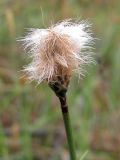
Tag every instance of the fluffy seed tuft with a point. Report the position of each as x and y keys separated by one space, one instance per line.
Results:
x=60 y=50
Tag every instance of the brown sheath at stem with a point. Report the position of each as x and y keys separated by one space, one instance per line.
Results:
x=60 y=89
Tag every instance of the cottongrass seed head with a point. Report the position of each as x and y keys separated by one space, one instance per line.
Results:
x=59 y=50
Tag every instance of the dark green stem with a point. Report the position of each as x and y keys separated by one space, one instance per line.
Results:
x=68 y=129
x=60 y=88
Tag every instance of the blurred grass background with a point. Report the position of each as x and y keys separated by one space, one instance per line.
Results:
x=31 y=126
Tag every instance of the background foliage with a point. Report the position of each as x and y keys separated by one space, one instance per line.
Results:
x=31 y=124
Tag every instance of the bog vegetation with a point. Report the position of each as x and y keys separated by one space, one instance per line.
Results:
x=31 y=127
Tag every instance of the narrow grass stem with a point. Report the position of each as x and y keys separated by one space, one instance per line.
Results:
x=60 y=89
x=67 y=123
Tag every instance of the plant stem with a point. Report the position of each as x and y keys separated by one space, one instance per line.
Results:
x=68 y=129
x=60 y=89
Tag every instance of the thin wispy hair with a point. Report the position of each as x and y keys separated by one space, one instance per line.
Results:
x=63 y=48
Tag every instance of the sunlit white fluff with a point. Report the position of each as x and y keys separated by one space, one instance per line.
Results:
x=60 y=49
